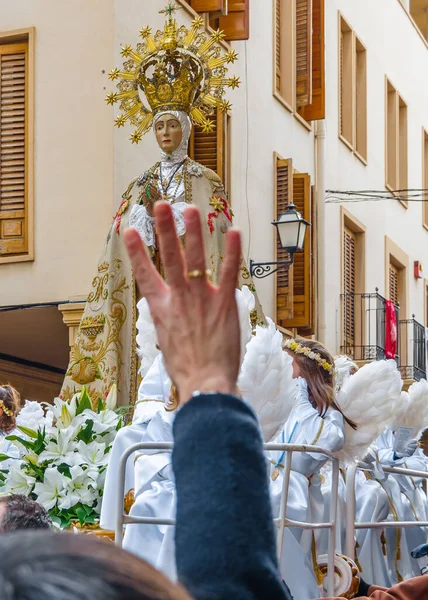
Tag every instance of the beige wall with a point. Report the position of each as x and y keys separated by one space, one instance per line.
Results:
x=73 y=146
x=83 y=165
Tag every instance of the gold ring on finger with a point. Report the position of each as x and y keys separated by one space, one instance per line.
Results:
x=198 y=274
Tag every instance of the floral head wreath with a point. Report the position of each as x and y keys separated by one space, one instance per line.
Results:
x=300 y=349
x=5 y=409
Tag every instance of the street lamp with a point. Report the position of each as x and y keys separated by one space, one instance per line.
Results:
x=291 y=228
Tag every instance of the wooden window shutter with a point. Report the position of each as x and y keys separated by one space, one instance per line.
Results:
x=303 y=52
x=284 y=280
x=393 y=284
x=349 y=245
x=203 y=6
x=302 y=267
x=13 y=193
x=315 y=110
x=209 y=148
x=236 y=25
x=278 y=44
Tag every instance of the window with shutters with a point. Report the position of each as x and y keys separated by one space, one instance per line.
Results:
x=353 y=280
x=295 y=287
x=15 y=153
x=352 y=91
x=393 y=284
x=425 y=178
x=299 y=56
x=396 y=270
x=212 y=149
x=349 y=243
x=396 y=179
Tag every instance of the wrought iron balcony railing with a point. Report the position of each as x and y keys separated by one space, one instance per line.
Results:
x=364 y=326
x=412 y=349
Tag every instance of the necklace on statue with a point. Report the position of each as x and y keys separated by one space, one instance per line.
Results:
x=166 y=185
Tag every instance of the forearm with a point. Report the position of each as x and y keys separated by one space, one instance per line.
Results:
x=407 y=590
x=225 y=543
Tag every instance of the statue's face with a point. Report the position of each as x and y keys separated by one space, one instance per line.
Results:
x=168 y=133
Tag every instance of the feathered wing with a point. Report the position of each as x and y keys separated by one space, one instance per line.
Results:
x=266 y=379
x=371 y=398
x=146 y=337
x=415 y=412
x=344 y=367
x=246 y=302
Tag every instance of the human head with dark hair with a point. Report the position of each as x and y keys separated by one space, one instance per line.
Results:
x=59 y=566
x=10 y=404
x=20 y=512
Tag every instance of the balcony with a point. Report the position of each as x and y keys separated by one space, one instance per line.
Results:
x=412 y=349
x=363 y=326
x=363 y=335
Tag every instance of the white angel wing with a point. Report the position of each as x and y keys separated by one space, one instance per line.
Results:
x=246 y=304
x=266 y=379
x=371 y=398
x=146 y=337
x=415 y=413
x=344 y=367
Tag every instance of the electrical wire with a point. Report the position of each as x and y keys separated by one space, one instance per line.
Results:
x=403 y=195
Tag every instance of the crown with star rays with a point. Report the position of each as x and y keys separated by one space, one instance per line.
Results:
x=178 y=68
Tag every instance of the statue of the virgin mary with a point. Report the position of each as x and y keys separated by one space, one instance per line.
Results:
x=182 y=73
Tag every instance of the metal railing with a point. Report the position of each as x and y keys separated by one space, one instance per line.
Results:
x=280 y=523
x=364 y=326
x=412 y=349
x=350 y=512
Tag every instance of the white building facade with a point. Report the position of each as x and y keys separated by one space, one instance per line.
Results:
x=332 y=98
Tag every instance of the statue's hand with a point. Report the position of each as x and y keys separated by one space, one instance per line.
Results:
x=151 y=196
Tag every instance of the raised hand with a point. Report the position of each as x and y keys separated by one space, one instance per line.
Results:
x=196 y=322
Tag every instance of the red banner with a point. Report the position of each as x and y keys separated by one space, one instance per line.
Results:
x=390 y=330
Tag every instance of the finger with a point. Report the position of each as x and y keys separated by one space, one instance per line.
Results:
x=148 y=279
x=232 y=262
x=195 y=251
x=169 y=244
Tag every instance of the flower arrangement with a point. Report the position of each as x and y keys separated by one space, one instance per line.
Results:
x=299 y=349
x=62 y=456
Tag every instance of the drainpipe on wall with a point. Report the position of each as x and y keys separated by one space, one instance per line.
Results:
x=321 y=229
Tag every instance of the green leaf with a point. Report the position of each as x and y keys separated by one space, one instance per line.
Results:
x=64 y=469
x=26 y=443
x=27 y=431
x=85 y=434
x=81 y=514
x=100 y=406
x=4 y=457
x=39 y=445
x=84 y=402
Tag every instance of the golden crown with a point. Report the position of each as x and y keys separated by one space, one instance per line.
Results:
x=177 y=69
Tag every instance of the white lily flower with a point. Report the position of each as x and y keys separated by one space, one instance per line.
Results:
x=82 y=487
x=93 y=454
x=111 y=400
x=18 y=482
x=106 y=420
x=53 y=490
x=64 y=412
x=57 y=449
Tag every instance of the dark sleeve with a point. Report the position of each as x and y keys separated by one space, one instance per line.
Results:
x=225 y=542
x=412 y=589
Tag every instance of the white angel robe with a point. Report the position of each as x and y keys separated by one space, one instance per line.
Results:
x=412 y=505
x=372 y=505
x=305 y=501
x=154 y=391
